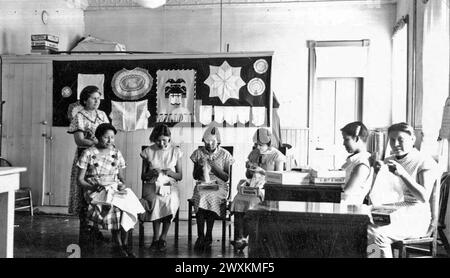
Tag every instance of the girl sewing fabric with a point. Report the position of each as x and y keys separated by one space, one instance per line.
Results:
x=211 y=163
x=262 y=158
x=160 y=175
x=112 y=206
x=83 y=126
x=417 y=173
x=358 y=172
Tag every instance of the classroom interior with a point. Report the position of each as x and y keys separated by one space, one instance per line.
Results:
x=302 y=69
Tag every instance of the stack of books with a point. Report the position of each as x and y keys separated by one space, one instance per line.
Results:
x=44 y=43
x=386 y=214
x=326 y=177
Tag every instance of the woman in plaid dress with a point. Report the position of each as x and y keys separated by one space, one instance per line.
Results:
x=82 y=126
x=101 y=171
x=207 y=203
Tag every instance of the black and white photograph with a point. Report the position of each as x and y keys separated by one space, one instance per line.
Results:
x=224 y=135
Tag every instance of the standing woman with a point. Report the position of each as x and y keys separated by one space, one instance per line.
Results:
x=160 y=175
x=417 y=172
x=83 y=126
x=207 y=203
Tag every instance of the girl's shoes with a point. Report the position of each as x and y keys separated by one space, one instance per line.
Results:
x=154 y=245
x=162 y=245
x=239 y=244
x=199 y=243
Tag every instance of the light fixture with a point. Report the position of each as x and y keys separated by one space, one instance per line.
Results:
x=152 y=4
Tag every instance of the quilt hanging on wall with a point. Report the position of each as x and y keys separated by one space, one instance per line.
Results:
x=136 y=94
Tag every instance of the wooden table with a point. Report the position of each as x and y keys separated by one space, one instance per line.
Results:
x=9 y=183
x=285 y=229
x=304 y=193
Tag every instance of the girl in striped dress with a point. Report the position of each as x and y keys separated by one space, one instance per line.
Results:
x=208 y=203
x=418 y=173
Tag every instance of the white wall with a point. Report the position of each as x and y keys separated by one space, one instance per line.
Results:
x=21 y=18
x=280 y=27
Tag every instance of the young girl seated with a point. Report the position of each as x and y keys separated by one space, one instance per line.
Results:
x=262 y=158
x=112 y=205
x=357 y=168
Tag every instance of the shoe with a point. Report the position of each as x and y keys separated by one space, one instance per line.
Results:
x=198 y=246
x=129 y=252
x=119 y=252
x=207 y=244
x=154 y=245
x=162 y=245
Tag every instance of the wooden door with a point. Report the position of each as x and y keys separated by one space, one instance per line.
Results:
x=25 y=121
x=337 y=101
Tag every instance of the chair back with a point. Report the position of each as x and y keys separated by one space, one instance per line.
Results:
x=435 y=201
x=443 y=199
x=4 y=162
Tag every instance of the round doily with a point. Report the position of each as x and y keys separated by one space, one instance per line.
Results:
x=256 y=86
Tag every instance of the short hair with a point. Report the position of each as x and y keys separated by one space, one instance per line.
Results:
x=403 y=127
x=356 y=129
x=159 y=130
x=87 y=92
x=103 y=128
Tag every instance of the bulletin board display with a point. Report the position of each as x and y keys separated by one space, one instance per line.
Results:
x=136 y=94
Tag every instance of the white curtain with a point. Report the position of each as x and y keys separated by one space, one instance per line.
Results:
x=435 y=74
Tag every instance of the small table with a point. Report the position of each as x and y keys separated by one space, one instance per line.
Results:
x=285 y=229
x=304 y=193
x=9 y=183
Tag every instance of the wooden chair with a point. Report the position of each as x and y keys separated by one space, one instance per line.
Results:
x=142 y=221
x=442 y=239
x=426 y=245
x=226 y=207
x=23 y=196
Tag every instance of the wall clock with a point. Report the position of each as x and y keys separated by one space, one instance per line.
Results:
x=44 y=16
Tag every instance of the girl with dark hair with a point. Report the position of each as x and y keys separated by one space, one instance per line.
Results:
x=112 y=206
x=83 y=126
x=417 y=172
x=160 y=175
x=262 y=158
x=358 y=171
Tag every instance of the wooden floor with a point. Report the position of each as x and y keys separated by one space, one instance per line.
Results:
x=48 y=236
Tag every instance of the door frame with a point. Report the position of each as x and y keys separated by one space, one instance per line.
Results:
x=312 y=78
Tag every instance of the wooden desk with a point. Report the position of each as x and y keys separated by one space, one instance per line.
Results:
x=283 y=229
x=9 y=183
x=303 y=193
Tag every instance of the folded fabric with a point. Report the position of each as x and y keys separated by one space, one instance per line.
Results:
x=258 y=115
x=219 y=114
x=129 y=116
x=85 y=80
x=205 y=114
x=243 y=114
x=230 y=115
x=387 y=188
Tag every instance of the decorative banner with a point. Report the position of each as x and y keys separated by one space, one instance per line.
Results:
x=258 y=115
x=205 y=114
x=261 y=66
x=85 y=80
x=256 y=86
x=224 y=82
x=175 y=91
x=129 y=116
x=131 y=84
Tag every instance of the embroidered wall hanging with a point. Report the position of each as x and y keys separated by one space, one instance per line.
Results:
x=85 y=80
x=224 y=82
x=131 y=84
x=175 y=95
x=129 y=116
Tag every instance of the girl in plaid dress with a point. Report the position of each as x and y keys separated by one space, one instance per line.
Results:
x=207 y=203
x=101 y=174
x=160 y=175
x=262 y=158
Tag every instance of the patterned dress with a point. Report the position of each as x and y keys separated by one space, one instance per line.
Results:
x=267 y=161
x=158 y=206
x=82 y=121
x=208 y=199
